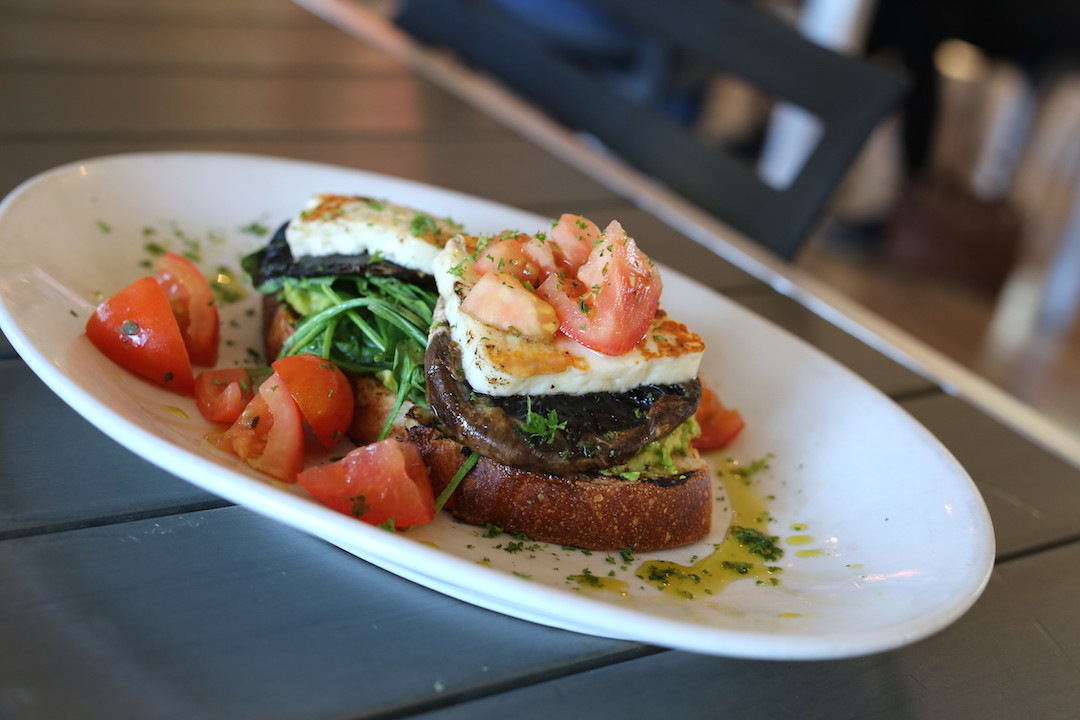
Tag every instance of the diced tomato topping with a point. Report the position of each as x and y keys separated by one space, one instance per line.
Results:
x=575 y=236
x=136 y=329
x=383 y=481
x=719 y=425
x=611 y=306
x=547 y=257
x=222 y=395
x=322 y=392
x=269 y=434
x=508 y=256
x=563 y=293
x=603 y=291
x=500 y=300
x=194 y=305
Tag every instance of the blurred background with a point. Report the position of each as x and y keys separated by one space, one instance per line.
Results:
x=960 y=222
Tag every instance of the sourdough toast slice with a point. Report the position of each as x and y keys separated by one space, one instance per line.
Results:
x=586 y=510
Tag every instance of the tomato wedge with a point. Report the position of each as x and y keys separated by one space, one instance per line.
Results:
x=269 y=434
x=322 y=392
x=612 y=303
x=222 y=395
x=137 y=330
x=499 y=299
x=508 y=256
x=383 y=481
x=575 y=235
x=719 y=425
x=194 y=305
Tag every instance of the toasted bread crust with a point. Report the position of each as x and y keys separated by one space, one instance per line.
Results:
x=589 y=511
x=279 y=322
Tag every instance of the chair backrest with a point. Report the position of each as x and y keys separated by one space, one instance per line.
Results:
x=849 y=97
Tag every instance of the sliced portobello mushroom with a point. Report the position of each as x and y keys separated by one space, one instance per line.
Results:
x=276 y=260
x=557 y=433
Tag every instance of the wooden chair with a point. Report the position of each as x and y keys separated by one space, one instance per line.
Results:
x=849 y=97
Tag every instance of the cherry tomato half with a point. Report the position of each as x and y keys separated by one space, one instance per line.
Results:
x=499 y=299
x=194 y=305
x=378 y=482
x=269 y=434
x=576 y=236
x=222 y=394
x=719 y=425
x=322 y=392
x=137 y=330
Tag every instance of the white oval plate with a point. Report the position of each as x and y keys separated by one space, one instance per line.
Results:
x=902 y=541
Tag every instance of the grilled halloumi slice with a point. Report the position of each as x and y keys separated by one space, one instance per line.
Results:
x=502 y=363
x=350 y=225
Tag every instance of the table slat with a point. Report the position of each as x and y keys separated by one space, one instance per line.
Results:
x=244 y=12
x=1032 y=495
x=105 y=44
x=441 y=161
x=120 y=104
x=59 y=471
x=224 y=614
x=1015 y=654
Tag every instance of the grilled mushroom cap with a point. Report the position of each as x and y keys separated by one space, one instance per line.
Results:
x=587 y=432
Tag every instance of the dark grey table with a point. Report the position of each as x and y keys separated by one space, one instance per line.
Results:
x=127 y=593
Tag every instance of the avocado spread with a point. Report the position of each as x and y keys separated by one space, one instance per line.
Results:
x=669 y=455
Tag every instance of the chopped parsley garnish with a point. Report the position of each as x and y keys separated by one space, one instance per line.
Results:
x=586 y=578
x=481 y=243
x=457 y=269
x=757 y=542
x=540 y=427
x=752 y=469
x=422 y=224
x=358 y=505
x=155 y=249
x=192 y=248
x=740 y=567
x=254 y=228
